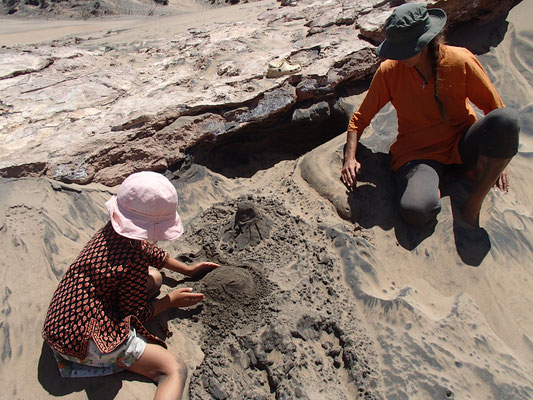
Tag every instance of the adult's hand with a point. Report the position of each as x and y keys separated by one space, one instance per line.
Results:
x=349 y=172
x=502 y=183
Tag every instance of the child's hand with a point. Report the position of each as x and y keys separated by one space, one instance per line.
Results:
x=189 y=270
x=184 y=297
x=202 y=267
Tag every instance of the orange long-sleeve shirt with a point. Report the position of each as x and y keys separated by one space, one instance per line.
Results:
x=422 y=132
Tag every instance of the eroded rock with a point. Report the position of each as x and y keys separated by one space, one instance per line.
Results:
x=80 y=111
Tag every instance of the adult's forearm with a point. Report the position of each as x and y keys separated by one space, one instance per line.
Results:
x=351 y=145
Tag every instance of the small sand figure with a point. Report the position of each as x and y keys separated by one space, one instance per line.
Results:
x=430 y=84
x=249 y=227
x=95 y=322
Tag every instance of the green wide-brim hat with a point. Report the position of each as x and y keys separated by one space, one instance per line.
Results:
x=409 y=29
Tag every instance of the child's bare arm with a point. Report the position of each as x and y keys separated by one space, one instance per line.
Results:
x=189 y=270
x=182 y=297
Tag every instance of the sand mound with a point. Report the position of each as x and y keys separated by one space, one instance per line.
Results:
x=230 y=284
x=269 y=312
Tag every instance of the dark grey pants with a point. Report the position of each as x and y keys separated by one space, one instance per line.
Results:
x=417 y=182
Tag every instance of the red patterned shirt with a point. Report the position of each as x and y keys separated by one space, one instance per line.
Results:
x=102 y=294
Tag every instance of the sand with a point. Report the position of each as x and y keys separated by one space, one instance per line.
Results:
x=125 y=29
x=321 y=294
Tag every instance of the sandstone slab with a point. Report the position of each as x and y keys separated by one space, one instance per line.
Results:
x=98 y=108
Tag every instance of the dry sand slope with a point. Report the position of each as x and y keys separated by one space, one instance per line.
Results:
x=307 y=304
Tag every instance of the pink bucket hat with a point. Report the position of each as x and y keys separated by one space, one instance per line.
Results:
x=145 y=207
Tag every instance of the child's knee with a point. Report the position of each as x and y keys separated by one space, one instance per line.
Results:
x=172 y=367
x=154 y=282
x=157 y=277
x=177 y=367
x=181 y=368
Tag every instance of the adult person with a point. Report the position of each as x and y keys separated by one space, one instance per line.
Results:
x=430 y=85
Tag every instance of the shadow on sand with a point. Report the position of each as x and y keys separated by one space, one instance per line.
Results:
x=98 y=388
x=373 y=204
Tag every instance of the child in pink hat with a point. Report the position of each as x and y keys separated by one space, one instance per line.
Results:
x=95 y=322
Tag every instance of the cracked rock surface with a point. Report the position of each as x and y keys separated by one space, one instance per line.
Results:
x=97 y=107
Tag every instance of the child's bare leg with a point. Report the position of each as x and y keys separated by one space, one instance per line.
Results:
x=488 y=171
x=165 y=369
x=153 y=283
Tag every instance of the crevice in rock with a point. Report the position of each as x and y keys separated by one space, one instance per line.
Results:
x=47 y=63
x=252 y=149
x=304 y=127
x=47 y=86
x=236 y=113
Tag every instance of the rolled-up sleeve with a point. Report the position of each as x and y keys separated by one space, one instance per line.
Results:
x=479 y=88
x=377 y=96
